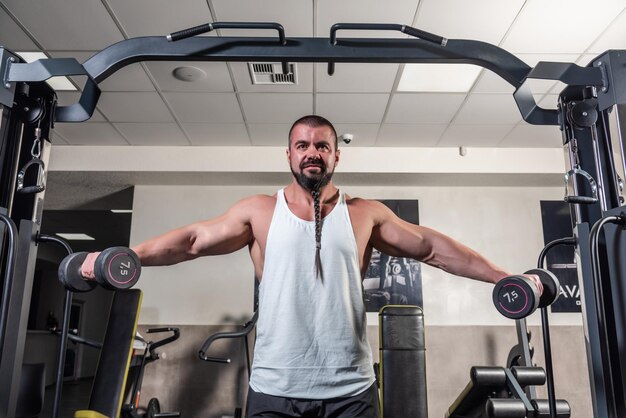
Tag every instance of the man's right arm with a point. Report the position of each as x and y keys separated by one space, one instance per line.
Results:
x=222 y=235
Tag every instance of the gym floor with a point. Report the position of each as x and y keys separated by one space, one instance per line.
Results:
x=75 y=396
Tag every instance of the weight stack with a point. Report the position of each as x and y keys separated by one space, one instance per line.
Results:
x=402 y=362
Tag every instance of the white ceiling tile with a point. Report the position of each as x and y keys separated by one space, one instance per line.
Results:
x=560 y=26
x=159 y=17
x=488 y=109
x=533 y=136
x=12 y=36
x=352 y=107
x=613 y=38
x=216 y=78
x=330 y=12
x=155 y=134
x=474 y=135
x=423 y=108
x=97 y=133
x=222 y=134
x=586 y=59
x=364 y=134
x=129 y=78
x=66 y=98
x=78 y=24
x=461 y=19
x=351 y=77
x=295 y=16
x=134 y=107
x=490 y=82
x=270 y=134
x=409 y=135
x=549 y=101
x=304 y=75
x=275 y=107
x=205 y=107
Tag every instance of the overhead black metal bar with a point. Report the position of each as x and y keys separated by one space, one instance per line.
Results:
x=356 y=50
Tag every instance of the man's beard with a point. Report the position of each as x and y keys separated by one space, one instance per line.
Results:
x=317 y=181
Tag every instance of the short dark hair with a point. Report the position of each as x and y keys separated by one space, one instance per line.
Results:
x=313 y=121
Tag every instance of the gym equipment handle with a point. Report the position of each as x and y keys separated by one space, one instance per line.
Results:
x=598 y=291
x=65 y=328
x=175 y=335
x=585 y=200
x=8 y=275
x=247 y=328
x=417 y=33
x=545 y=325
x=208 y=27
x=41 y=172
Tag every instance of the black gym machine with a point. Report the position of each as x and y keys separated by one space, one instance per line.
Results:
x=590 y=115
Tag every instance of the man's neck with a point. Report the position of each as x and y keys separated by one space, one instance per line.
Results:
x=296 y=192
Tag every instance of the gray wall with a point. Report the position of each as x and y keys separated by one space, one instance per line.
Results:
x=186 y=384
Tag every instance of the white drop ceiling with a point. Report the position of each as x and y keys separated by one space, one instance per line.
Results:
x=143 y=104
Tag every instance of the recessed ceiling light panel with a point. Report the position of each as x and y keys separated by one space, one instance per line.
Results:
x=453 y=78
x=75 y=237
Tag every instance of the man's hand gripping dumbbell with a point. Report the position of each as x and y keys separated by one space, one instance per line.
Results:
x=517 y=297
x=114 y=268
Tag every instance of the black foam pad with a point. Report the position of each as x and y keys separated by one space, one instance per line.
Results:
x=108 y=386
x=402 y=362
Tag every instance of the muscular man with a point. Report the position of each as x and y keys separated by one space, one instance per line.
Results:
x=310 y=245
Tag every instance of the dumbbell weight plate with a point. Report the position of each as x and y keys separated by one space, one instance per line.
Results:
x=117 y=268
x=515 y=297
x=551 y=286
x=69 y=273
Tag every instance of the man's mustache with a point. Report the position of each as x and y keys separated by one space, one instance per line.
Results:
x=313 y=163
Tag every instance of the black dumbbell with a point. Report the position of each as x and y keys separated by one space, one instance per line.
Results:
x=517 y=297
x=115 y=268
x=69 y=274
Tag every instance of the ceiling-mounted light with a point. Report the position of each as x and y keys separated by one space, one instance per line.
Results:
x=438 y=78
x=75 y=237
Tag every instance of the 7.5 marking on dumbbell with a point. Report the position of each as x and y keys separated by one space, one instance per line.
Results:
x=511 y=296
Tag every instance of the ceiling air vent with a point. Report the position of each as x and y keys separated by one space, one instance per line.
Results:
x=271 y=73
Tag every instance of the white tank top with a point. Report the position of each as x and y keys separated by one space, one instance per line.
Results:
x=311 y=334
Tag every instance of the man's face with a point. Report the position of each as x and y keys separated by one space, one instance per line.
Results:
x=312 y=155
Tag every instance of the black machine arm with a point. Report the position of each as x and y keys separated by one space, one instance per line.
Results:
x=247 y=328
x=73 y=336
x=156 y=344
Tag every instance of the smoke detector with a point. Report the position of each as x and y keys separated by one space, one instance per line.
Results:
x=188 y=73
x=271 y=73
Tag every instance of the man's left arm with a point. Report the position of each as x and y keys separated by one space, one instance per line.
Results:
x=399 y=238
